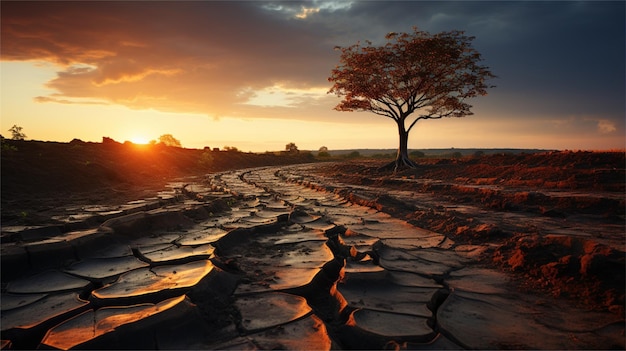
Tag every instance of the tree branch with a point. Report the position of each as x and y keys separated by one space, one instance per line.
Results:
x=390 y=110
x=431 y=116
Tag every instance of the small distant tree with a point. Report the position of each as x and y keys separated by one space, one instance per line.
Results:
x=291 y=148
x=16 y=133
x=414 y=76
x=169 y=140
x=323 y=152
x=231 y=148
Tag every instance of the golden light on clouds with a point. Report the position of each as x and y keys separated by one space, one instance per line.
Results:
x=606 y=126
x=279 y=95
x=133 y=76
x=306 y=11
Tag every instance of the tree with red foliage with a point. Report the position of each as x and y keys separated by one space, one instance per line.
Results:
x=420 y=74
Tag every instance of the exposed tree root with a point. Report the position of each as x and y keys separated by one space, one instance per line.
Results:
x=400 y=163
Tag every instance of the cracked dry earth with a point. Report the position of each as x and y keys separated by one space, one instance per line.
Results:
x=266 y=258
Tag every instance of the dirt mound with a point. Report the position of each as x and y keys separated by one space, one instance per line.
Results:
x=509 y=182
x=584 y=270
x=554 y=170
x=572 y=190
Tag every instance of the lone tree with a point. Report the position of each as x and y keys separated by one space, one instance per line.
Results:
x=323 y=152
x=169 y=140
x=417 y=75
x=291 y=148
x=16 y=133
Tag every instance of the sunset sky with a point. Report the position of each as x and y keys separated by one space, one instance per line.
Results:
x=253 y=74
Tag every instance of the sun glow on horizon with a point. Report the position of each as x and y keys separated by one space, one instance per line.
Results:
x=492 y=127
x=139 y=139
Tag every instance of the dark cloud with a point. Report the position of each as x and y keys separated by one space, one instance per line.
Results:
x=210 y=57
x=562 y=58
x=566 y=58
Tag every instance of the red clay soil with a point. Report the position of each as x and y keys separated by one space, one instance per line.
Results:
x=583 y=270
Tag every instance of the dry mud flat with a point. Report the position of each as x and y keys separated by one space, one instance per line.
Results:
x=269 y=258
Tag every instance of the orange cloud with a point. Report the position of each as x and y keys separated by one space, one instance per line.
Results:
x=121 y=77
x=44 y=99
x=183 y=57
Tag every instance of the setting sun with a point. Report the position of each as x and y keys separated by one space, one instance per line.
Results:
x=139 y=140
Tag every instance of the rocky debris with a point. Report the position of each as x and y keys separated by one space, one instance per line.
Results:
x=583 y=269
x=289 y=265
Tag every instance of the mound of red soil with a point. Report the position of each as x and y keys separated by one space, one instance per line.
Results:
x=553 y=170
x=582 y=188
x=584 y=270
x=488 y=180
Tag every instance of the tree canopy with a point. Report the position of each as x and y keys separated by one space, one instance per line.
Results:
x=422 y=75
x=169 y=140
x=16 y=132
x=291 y=147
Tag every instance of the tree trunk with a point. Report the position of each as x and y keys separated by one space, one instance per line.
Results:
x=402 y=158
